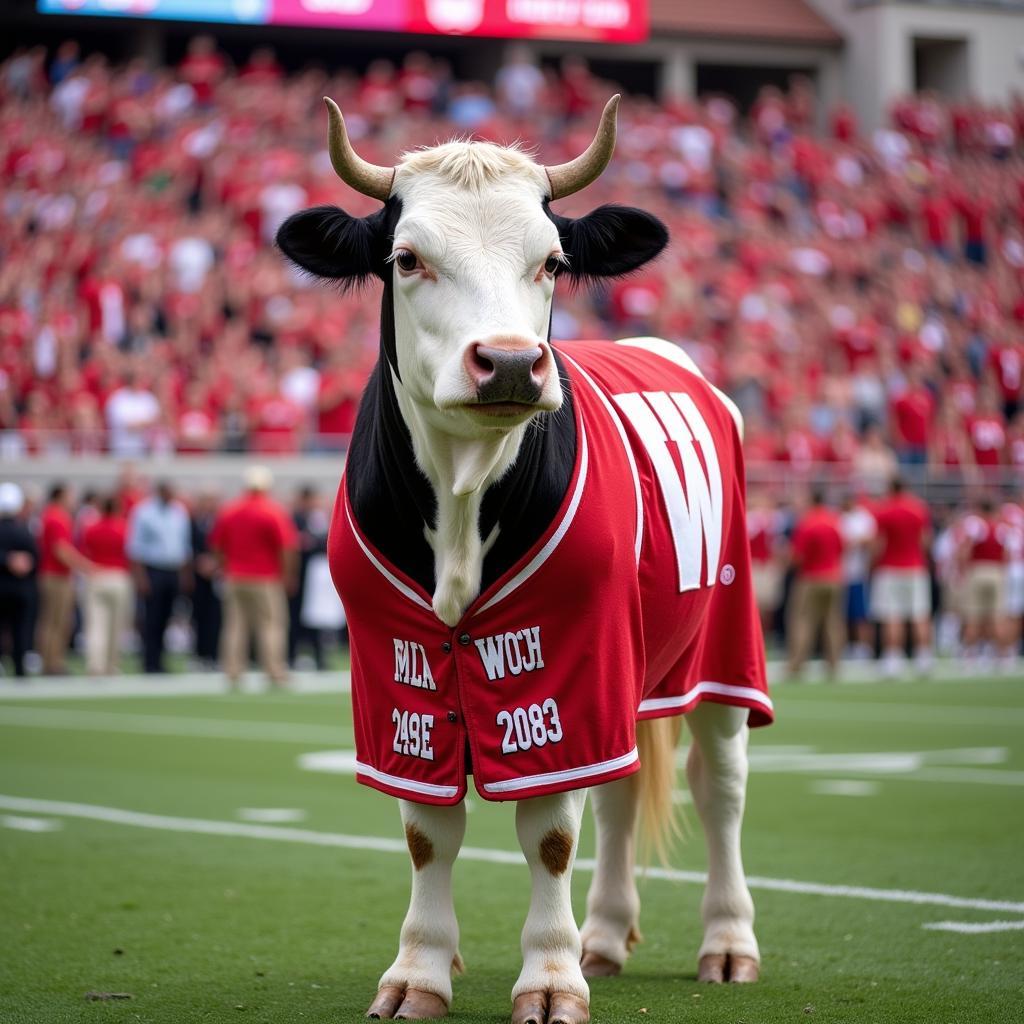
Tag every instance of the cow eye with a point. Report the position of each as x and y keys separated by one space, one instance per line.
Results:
x=407 y=261
x=551 y=264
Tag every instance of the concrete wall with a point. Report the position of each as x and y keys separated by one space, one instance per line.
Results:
x=879 y=54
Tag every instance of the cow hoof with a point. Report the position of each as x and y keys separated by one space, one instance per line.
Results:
x=556 y=1008
x=594 y=965
x=566 y=1008
x=394 y=1002
x=720 y=967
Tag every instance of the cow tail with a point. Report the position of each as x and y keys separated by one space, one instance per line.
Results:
x=660 y=826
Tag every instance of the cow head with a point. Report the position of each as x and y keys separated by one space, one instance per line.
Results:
x=469 y=251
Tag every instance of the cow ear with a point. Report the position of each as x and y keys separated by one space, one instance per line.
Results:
x=328 y=242
x=609 y=241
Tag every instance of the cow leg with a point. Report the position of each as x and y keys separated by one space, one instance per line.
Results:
x=613 y=903
x=551 y=988
x=717 y=773
x=419 y=983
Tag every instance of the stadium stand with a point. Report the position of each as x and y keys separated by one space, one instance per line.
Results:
x=848 y=291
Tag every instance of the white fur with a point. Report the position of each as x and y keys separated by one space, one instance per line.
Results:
x=429 y=940
x=473 y=215
x=613 y=903
x=550 y=941
x=717 y=773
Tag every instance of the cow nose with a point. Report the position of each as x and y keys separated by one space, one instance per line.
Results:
x=507 y=374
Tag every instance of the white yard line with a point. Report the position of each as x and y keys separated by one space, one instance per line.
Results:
x=309 y=837
x=173 y=725
x=188 y=684
x=974 y=927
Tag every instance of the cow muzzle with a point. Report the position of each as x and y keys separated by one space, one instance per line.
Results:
x=508 y=375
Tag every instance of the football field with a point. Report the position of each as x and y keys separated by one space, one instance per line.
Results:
x=205 y=856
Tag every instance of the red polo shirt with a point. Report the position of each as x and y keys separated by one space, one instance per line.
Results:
x=902 y=523
x=818 y=546
x=252 y=533
x=103 y=542
x=54 y=527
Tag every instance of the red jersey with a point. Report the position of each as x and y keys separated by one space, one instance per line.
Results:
x=104 y=541
x=763 y=533
x=912 y=413
x=55 y=526
x=818 y=546
x=985 y=539
x=252 y=533
x=988 y=437
x=636 y=602
x=902 y=522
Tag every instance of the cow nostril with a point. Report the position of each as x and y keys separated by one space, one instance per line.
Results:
x=479 y=363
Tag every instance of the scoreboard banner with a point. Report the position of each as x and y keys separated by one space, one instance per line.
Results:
x=615 y=21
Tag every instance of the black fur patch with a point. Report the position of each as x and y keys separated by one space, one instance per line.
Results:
x=608 y=242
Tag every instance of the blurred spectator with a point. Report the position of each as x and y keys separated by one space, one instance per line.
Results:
x=256 y=542
x=58 y=557
x=901 y=588
x=159 y=548
x=765 y=530
x=19 y=560
x=311 y=523
x=206 y=598
x=984 y=550
x=858 y=528
x=109 y=595
x=132 y=411
x=817 y=600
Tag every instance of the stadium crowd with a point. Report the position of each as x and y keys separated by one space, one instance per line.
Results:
x=143 y=570
x=860 y=295
x=147 y=570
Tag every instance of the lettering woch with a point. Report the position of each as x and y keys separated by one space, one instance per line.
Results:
x=635 y=603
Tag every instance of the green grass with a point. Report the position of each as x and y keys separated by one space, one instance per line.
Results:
x=218 y=928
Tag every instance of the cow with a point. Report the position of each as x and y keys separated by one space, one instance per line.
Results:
x=542 y=553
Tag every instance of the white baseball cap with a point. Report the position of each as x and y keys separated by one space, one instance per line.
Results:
x=11 y=499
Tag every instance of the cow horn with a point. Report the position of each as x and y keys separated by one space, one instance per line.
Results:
x=364 y=177
x=587 y=167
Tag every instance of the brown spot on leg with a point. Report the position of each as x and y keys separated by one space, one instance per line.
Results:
x=421 y=849
x=555 y=850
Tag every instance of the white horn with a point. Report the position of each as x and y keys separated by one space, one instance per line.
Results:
x=364 y=177
x=587 y=167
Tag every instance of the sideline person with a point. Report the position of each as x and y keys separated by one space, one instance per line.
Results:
x=257 y=544
x=19 y=560
x=900 y=587
x=160 y=550
x=109 y=595
x=817 y=603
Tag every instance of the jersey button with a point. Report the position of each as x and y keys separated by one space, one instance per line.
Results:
x=452 y=717
x=446 y=647
x=465 y=639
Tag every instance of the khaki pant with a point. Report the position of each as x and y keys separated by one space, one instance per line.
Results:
x=254 y=607
x=56 y=605
x=109 y=598
x=985 y=591
x=815 y=604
